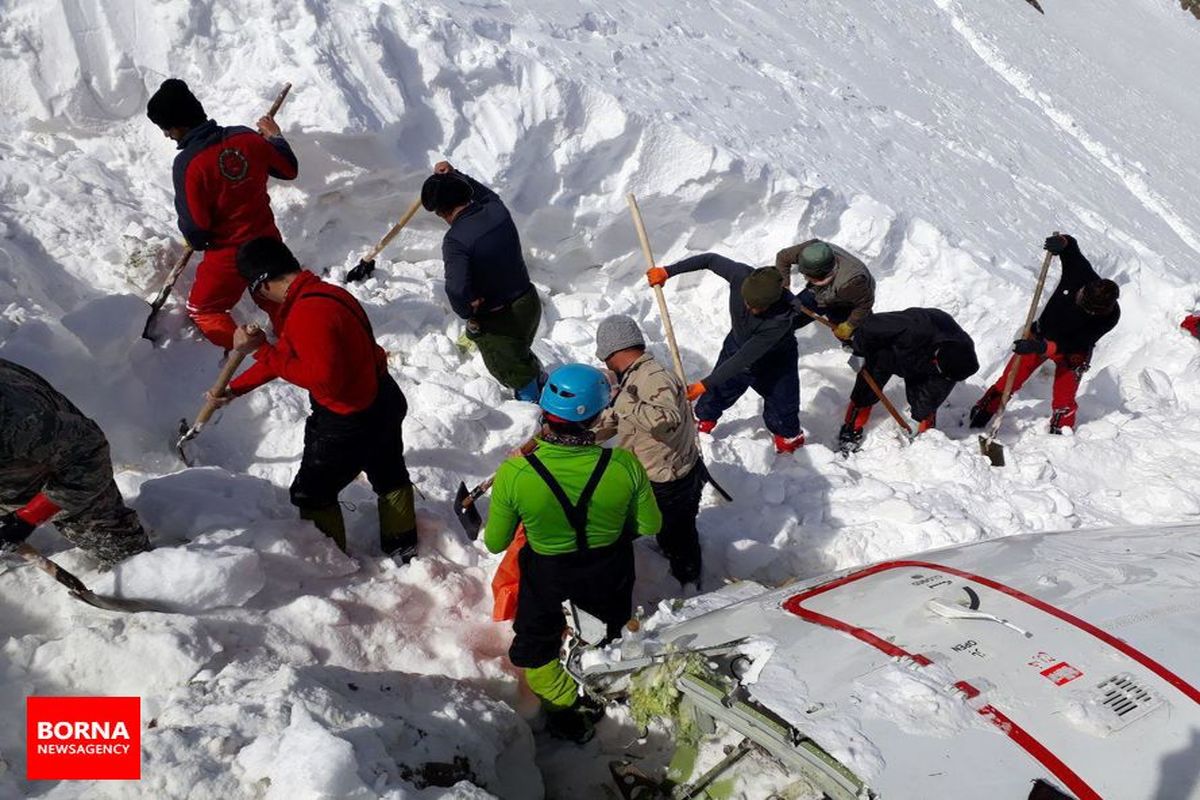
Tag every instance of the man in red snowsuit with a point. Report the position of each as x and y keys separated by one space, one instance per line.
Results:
x=326 y=345
x=221 y=197
x=1082 y=308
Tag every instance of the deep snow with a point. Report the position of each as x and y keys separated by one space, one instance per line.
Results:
x=941 y=139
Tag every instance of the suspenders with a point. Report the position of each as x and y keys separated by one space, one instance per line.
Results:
x=577 y=513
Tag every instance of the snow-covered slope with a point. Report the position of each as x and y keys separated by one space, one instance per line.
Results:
x=942 y=139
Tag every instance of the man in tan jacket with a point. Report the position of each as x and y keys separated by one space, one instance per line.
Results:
x=651 y=416
x=839 y=286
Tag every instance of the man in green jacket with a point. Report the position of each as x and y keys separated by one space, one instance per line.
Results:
x=580 y=503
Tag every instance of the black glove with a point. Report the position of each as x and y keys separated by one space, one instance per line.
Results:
x=1057 y=243
x=361 y=271
x=473 y=330
x=1029 y=347
x=13 y=531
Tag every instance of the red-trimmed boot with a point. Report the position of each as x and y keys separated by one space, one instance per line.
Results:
x=850 y=437
x=785 y=445
x=706 y=425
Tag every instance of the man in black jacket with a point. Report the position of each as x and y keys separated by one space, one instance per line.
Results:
x=1081 y=310
x=926 y=347
x=487 y=281
x=759 y=352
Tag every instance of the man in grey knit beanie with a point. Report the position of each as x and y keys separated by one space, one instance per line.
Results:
x=652 y=417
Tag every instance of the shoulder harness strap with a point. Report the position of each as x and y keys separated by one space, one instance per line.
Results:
x=577 y=513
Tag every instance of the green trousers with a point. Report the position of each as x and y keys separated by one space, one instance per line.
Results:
x=505 y=339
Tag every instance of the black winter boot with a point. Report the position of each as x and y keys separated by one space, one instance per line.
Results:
x=850 y=440
x=572 y=724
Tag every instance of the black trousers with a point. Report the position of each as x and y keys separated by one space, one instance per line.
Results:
x=337 y=447
x=598 y=581
x=679 y=501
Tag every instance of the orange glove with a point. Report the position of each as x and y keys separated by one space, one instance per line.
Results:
x=656 y=276
x=927 y=423
x=695 y=390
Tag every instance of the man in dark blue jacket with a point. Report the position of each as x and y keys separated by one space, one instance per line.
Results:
x=487 y=281
x=759 y=352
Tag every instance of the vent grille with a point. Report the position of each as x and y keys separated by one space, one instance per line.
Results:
x=1122 y=700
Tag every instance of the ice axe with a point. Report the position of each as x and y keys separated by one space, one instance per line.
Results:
x=464 y=500
x=987 y=442
x=867 y=378
x=187 y=433
x=160 y=299
x=81 y=592
x=644 y=239
x=366 y=265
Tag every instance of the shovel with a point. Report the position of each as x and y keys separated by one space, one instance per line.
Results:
x=993 y=450
x=81 y=592
x=464 y=500
x=186 y=433
x=149 y=331
x=366 y=265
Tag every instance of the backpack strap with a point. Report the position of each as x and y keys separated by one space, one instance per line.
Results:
x=576 y=513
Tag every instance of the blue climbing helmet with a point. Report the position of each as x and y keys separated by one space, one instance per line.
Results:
x=575 y=392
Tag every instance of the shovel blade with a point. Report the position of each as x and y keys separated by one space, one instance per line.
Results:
x=993 y=450
x=467 y=513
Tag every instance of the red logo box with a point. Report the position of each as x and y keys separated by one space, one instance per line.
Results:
x=83 y=738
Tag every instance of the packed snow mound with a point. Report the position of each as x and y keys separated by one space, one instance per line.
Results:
x=941 y=140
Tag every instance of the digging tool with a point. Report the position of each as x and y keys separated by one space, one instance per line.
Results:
x=160 y=299
x=658 y=292
x=81 y=592
x=867 y=378
x=366 y=265
x=987 y=442
x=186 y=433
x=636 y=213
x=464 y=500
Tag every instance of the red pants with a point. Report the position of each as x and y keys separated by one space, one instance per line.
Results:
x=217 y=289
x=1068 y=369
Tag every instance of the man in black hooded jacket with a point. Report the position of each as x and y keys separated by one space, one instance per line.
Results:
x=926 y=347
x=1082 y=309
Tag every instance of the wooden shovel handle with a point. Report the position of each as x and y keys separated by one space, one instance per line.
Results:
x=50 y=568
x=279 y=98
x=527 y=447
x=658 y=292
x=1010 y=381
x=395 y=229
x=235 y=359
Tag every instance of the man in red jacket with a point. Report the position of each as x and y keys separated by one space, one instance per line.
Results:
x=326 y=345
x=221 y=196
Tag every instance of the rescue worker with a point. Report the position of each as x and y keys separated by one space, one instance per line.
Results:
x=221 y=197
x=1082 y=309
x=327 y=346
x=487 y=281
x=55 y=466
x=581 y=505
x=759 y=352
x=838 y=285
x=926 y=347
x=651 y=417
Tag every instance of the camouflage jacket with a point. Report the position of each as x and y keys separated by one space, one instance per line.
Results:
x=652 y=417
x=47 y=444
x=852 y=285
